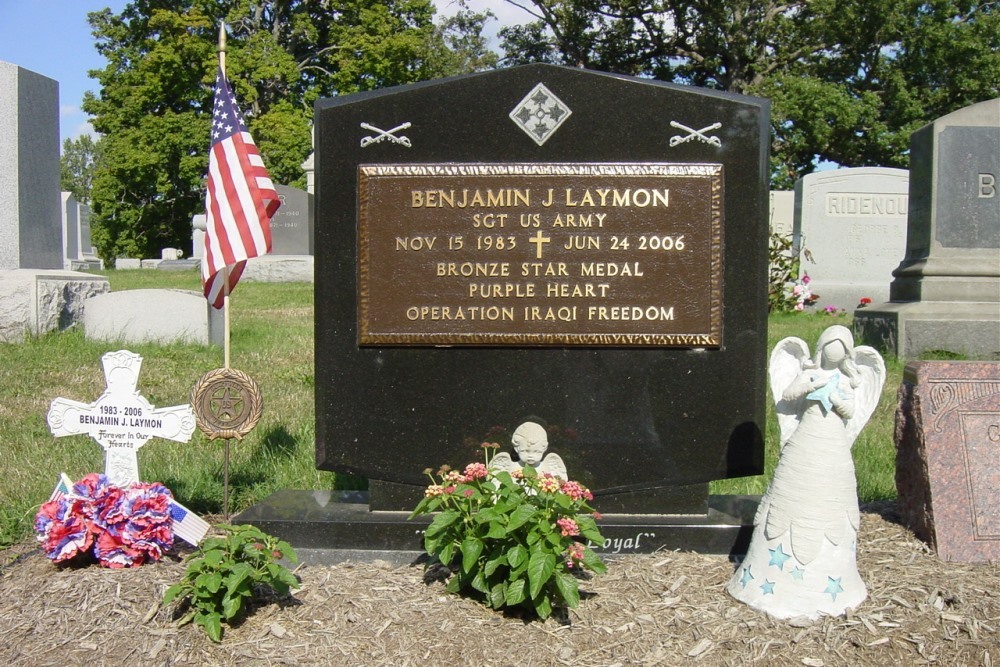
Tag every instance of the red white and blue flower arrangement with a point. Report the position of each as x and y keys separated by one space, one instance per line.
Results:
x=119 y=526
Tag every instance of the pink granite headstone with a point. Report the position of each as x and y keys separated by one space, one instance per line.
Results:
x=948 y=457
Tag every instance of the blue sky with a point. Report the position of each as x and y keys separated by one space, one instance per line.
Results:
x=52 y=37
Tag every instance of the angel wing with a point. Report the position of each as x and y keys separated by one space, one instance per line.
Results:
x=502 y=461
x=785 y=365
x=553 y=464
x=866 y=395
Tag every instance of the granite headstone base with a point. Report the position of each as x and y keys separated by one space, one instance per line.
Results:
x=34 y=302
x=909 y=329
x=948 y=457
x=334 y=526
x=280 y=269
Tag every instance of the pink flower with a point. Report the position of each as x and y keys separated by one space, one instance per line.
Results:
x=475 y=471
x=574 y=553
x=468 y=493
x=568 y=527
x=454 y=477
x=597 y=516
x=797 y=290
x=449 y=489
x=806 y=279
x=576 y=491
x=799 y=306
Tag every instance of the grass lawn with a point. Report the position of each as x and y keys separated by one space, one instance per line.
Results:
x=272 y=341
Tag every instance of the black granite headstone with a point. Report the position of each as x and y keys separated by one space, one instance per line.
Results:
x=584 y=250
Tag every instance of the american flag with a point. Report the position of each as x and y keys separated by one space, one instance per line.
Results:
x=187 y=525
x=241 y=198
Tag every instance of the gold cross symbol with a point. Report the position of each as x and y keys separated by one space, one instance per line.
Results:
x=538 y=240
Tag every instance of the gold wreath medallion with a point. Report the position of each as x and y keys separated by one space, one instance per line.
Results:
x=227 y=403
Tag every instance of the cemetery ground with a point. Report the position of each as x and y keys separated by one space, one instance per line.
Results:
x=659 y=609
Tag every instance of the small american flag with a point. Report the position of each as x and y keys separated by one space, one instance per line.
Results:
x=240 y=202
x=62 y=487
x=187 y=525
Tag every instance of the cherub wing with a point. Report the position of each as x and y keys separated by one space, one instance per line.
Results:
x=785 y=365
x=867 y=393
x=502 y=461
x=553 y=464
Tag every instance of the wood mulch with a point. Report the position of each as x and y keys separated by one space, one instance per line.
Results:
x=667 y=608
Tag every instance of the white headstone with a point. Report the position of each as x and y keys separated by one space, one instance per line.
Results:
x=850 y=226
x=121 y=420
x=782 y=212
x=198 y=227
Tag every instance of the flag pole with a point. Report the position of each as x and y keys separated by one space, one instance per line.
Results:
x=225 y=298
x=225 y=310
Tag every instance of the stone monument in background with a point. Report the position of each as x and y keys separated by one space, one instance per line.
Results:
x=850 y=230
x=945 y=294
x=36 y=294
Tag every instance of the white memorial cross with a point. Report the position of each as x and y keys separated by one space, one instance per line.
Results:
x=121 y=420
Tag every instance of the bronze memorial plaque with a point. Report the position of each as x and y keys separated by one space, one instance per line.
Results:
x=540 y=254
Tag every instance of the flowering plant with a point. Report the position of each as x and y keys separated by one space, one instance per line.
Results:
x=121 y=527
x=802 y=293
x=864 y=302
x=511 y=539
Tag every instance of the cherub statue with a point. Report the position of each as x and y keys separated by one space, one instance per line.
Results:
x=802 y=557
x=530 y=442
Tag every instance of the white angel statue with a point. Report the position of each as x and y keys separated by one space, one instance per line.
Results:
x=802 y=560
x=530 y=442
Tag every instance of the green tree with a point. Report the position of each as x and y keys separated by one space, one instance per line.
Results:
x=153 y=108
x=850 y=80
x=77 y=165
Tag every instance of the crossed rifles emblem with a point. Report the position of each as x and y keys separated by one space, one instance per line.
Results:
x=695 y=134
x=382 y=135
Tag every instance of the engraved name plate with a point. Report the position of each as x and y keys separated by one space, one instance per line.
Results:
x=540 y=254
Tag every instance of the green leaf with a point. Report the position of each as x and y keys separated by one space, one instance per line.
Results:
x=231 y=606
x=495 y=561
x=515 y=594
x=447 y=553
x=498 y=595
x=209 y=582
x=520 y=516
x=212 y=624
x=541 y=565
x=516 y=555
x=471 y=548
x=171 y=593
x=593 y=562
x=568 y=589
x=442 y=521
x=542 y=605
x=496 y=531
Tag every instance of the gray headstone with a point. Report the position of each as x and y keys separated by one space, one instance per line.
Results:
x=153 y=315
x=198 y=226
x=87 y=249
x=291 y=226
x=946 y=291
x=30 y=229
x=852 y=222
x=70 y=229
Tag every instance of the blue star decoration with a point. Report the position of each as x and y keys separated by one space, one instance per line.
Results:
x=823 y=393
x=767 y=587
x=747 y=577
x=778 y=558
x=798 y=573
x=833 y=587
